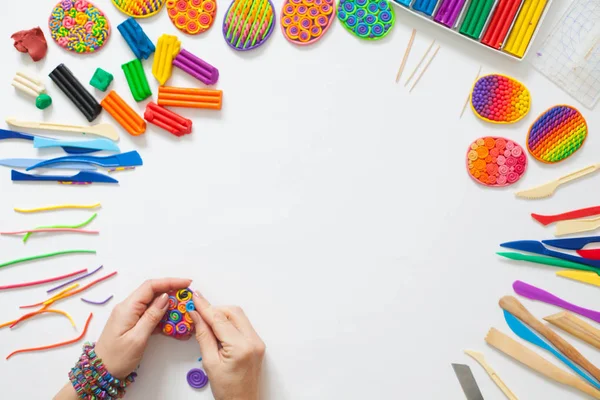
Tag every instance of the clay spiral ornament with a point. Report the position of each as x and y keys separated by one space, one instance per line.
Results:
x=177 y=321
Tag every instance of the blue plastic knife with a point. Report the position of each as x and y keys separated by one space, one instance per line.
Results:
x=94 y=144
x=572 y=243
x=129 y=159
x=22 y=163
x=81 y=177
x=6 y=134
x=535 y=247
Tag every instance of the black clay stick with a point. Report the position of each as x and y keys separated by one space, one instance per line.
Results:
x=73 y=89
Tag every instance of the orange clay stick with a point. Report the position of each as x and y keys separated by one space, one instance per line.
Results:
x=43 y=311
x=123 y=114
x=191 y=98
x=53 y=346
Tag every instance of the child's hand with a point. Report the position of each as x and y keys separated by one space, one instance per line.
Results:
x=125 y=336
x=232 y=351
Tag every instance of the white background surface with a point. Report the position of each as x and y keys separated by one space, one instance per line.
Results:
x=330 y=204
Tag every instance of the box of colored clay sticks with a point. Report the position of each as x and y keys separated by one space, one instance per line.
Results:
x=504 y=26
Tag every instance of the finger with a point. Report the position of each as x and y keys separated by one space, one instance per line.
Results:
x=221 y=326
x=153 y=287
x=200 y=301
x=152 y=317
x=209 y=347
x=237 y=316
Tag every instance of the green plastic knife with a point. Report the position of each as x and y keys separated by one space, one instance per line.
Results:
x=555 y=262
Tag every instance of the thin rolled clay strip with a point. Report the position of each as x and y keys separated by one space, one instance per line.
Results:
x=50 y=230
x=74 y=280
x=97 y=303
x=43 y=311
x=58 y=207
x=53 y=346
x=76 y=226
x=39 y=257
x=41 y=282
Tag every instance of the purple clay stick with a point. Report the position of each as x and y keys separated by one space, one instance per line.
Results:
x=446 y=6
x=458 y=6
x=97 y=303
x=74 y=280
x=196 y=67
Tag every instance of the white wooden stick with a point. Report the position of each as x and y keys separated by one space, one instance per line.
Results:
x=406 y=53
x=469 y=95
x=425 y=69
x=419 y=64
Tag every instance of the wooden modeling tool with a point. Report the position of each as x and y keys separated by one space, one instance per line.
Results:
x=104 y=130
x=481 y=360
x=469 y=95
x=576 y=226
x=516 y=350
x=576 y=327
x=513 y=306
x=406 y=53
x=425 y=68
x=549 y=188
x=419 y=64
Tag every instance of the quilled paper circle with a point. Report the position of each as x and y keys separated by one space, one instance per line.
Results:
x=366 y=19
x=312 y=23
x=557 y=134
x=79 y=26
x=196 y=378
x=177 y=321
x=248 y=23
x=192 y=16
x=139 y=8
x=496 y=161
x=500 y=99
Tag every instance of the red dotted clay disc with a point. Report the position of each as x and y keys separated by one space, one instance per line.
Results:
x=192 y=16
x=496 y=161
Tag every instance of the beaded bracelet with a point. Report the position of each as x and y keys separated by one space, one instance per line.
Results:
x=91 y=380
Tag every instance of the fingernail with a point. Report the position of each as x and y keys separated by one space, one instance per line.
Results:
x=162 y=301
x=195 y=317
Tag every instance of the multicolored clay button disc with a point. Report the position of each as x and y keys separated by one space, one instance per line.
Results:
x=500 y=99
x=139 y=8
x=192 y=16
x=79 y=26
x=248 y=23
x=177 y=321
x=496 y=161
x=367 y=19
x=306 y=21
x=556 y=134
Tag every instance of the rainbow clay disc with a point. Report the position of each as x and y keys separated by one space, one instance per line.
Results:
x=177 y=322
x=366 y=19
x=79 y=26
x=248 y=23
x=192 y=16
x=558 y=133
x=139 y=8
x=306 y=21
x=496 y=161
x=500 y=99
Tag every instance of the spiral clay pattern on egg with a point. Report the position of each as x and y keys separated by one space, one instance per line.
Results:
x=306 y=21
x=366 y=19
x=177 y=321
x=500 y=99
x=192 y=16
x=557 y=134
x=496 y=161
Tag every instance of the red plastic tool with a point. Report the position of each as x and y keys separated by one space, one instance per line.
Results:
x=167 y=120
x=591 y=254
x=581 y=213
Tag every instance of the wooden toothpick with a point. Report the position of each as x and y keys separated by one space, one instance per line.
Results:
x=469 y=95
x=589 y=53
x=419 y=64
x=425 y=68
x=406 y=53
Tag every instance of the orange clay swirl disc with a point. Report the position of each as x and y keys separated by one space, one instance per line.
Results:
x=496 y=161
x=192 y=16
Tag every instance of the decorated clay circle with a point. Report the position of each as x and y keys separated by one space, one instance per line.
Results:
x=248 y=23
x=139 y=8
x=177 y=321
x=496 y=161
x=306 y=21
x=366 y=19
x=557 y=134
x=192 y=16
x=500 y=99
x=79 y=26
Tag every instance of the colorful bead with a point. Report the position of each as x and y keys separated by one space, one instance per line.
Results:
x=366 y=19
x=557 y=134
x=489 y=167
x=177 y=321
x=500 y=99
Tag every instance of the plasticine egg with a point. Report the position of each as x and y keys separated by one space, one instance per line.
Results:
x=500 y=99
x=192 y=16
x=306 y=21
x=496 y=161
x=557 y=134
x=79 y=26
x=177 y=321
x=139 y=8
x=366 y=19
x=248 y=23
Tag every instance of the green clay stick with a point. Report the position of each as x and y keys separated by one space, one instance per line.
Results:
x=63 y=226
x=58 y=253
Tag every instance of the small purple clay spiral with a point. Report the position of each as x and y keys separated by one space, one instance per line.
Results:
x=196 y=378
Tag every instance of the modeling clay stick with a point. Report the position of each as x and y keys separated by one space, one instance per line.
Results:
x=43 y=311
x=98 y=303
x=166 y=50
x=196 y=67
x=495 y=23
x=485 y=14
x=70 y=86
x=520 y=22
x=136 y=78
x=191 y=98
x=531 y=27
x=72 y=281
x=526 y=23
x=458 y=6
x=59 y=253
x=506 y=23
x=167 y=120
x=41 y=282
x=58 y=207
x=136 y=38
x=469 y=16
x=125 y=116
x=28 y=84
